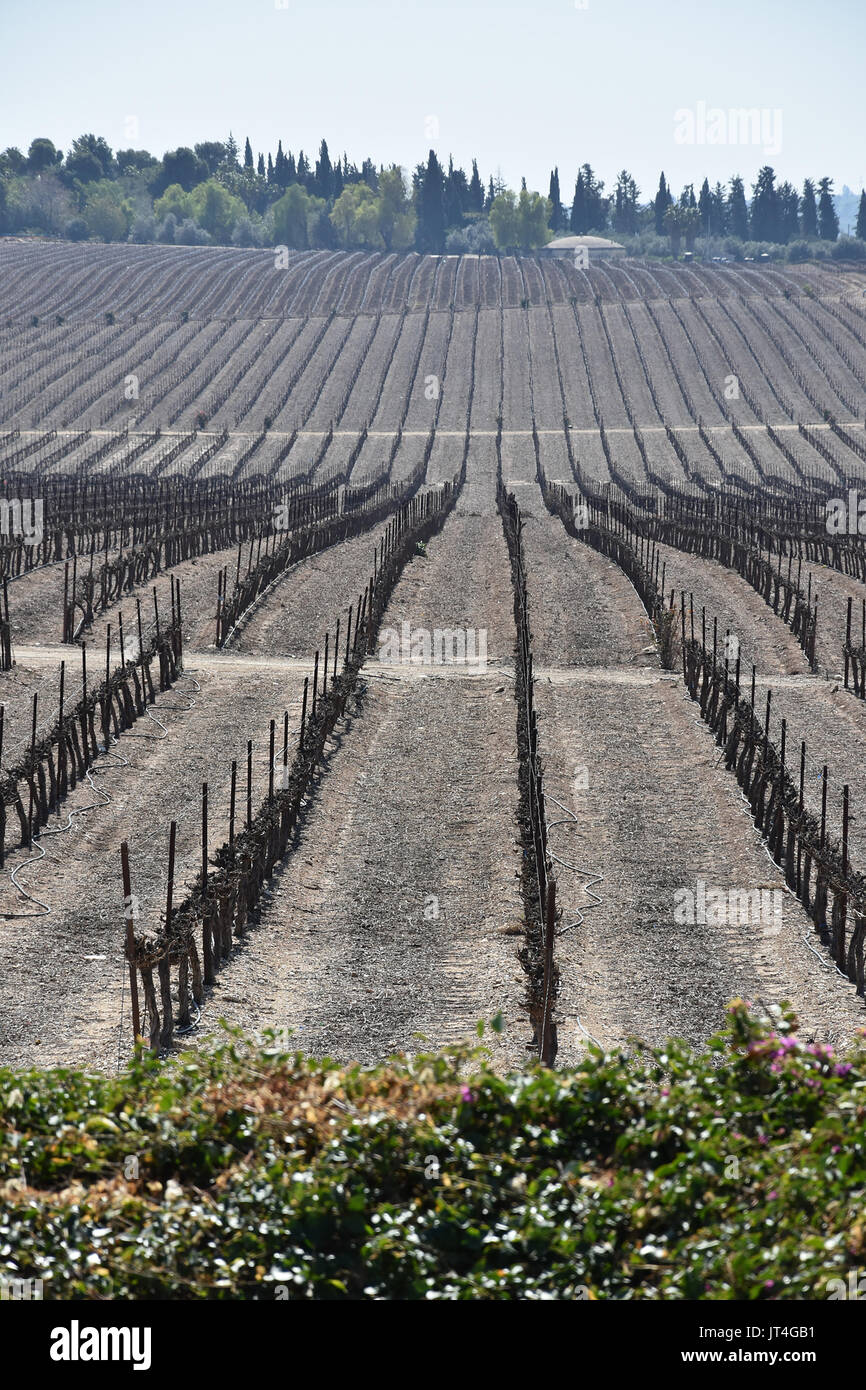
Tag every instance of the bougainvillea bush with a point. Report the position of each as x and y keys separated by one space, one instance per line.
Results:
x=737 y=1172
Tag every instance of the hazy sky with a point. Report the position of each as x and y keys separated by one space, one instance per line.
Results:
x=520 y=87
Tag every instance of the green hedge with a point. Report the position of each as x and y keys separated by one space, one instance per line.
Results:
x=736 y=1172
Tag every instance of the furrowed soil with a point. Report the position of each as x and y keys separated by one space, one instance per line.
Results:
x=400 y=911
x=63 y=970
x=645 y=806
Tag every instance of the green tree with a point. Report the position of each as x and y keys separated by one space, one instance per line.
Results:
x=397 y=219
x=293 y=216
x=591 y=206
x=131 y=162
x=248 y=155
x=90 y=159
x=355 y=217
x=682 y=221
x=533 y=220
x=625 y=216
x=324 y=173
x=12 y=161
x=766 y=223
x=555 y=201
x=216 y=209
x=578 y=220
x=107 y=213
x=456 y=195
x=175 y=201
x=503 y=220
x=181 y=166
x=476 y=190
x=520 y=222
x=661 y=203
x=431 y=207
x=809 y=211
x=860 y=229
x=231 y=155
x=42 y=155
x=738 y=212
x=212 y=153
x=828 y=222
x=789 y=211
x=719 y=215
x=705 y=207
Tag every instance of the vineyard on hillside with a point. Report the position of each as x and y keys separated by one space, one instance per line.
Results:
x=391 y=641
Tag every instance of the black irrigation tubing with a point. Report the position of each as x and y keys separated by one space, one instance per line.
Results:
x=219 y=906
x=539 y=884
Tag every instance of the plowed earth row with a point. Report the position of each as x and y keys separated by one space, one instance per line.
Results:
x=399 y=910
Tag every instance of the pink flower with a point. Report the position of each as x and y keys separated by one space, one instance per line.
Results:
x=466 y=1095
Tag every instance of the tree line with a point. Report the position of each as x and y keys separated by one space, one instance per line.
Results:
x=216 y=192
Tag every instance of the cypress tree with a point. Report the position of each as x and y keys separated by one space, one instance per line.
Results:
x=661 y=203
x=324 y=176
x=596 y=208
x=491 y=194
x=705 y=207
x=260 y=169
x=476 y=190
x=766 y=223
x=828 y=222
x=738 y=212
x=860 y=229
x=789 y=211
x=625 y=203
x=577 y=222
x=555 y=222
x=809 y=211
x=248 y=155
x=454 y=182
x=281 y=173
x=431 y=210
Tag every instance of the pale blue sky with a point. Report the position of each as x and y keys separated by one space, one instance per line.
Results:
x=521 y=87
